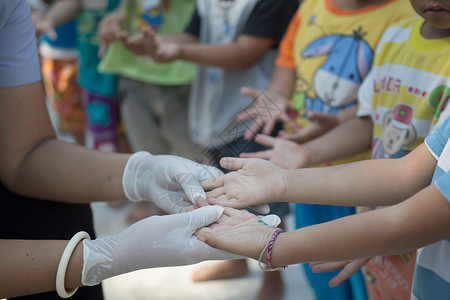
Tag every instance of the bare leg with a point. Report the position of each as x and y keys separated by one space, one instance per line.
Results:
x=223 y=270
x=142 y=210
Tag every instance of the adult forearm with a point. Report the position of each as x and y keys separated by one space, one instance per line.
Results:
x=29 y=267
x=66 y=177
x=393 y=230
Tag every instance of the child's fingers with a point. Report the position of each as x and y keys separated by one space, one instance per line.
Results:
x=260 y=154
x=233 y=163
x=265 y=140
x=201 y=201
x=215 y=193
x=212 y=183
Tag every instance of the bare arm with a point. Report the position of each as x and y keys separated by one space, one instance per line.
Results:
x=39 y=261
x=269 y=106
x=239 y=55
x=393 y=230
x=31 y=158
x=365 y=183
x=349 y=138
x=420 y=220
x=63 y=11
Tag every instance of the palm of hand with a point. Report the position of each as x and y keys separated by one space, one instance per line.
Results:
x=238 y=232
x=258 y=182
x=289 y=155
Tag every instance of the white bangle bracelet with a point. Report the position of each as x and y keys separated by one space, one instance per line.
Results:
x=62 y=267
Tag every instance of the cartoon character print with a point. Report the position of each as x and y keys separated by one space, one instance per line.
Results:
x=398 y=132
x=337 y=81
x=151 y=13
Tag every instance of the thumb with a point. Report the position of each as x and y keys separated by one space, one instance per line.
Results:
x=204 y=216
x=318 y=117
x=249 y=92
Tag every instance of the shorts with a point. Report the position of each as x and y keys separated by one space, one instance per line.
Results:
x=102 y=121
x=155 y=118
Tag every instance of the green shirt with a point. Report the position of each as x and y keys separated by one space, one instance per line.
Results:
x=176 y=14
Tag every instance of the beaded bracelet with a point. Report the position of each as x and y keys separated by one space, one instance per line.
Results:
x=269 y=246
x=62 y=267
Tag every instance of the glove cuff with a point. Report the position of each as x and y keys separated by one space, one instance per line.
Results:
x=131 y=174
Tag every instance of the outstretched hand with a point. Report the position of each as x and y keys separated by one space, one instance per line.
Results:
x=109 y=30
x=238 y=232
x=148 y=42
x=165 y=179
x=43 y=25
x=322 y=123
x=285 y=154
x=267 y=109
x=255 y=182
x=348 y=268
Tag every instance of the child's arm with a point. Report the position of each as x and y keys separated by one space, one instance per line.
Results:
x=422 y=219
x=59 y=13
x=365 y=183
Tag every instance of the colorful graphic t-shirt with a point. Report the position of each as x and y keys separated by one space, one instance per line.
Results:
x=406 y=94
x=407 y=90
x=167 y=17
x=432 y=272
x=332 y=50
x=88 y=43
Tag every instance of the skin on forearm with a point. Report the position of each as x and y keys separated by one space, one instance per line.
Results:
x=63 y=11
x=240 y=55
x=29 y=267
x=365 y=183
x=347 y=139
x=181 y=38
x=282 y=82
x=347 y=114
x=421 y=220
x=35 y=164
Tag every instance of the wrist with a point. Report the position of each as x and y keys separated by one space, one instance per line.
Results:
x=266 y=255
x=181 y=51
x=133 y=173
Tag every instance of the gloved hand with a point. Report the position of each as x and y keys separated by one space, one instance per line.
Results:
x=158 y=241
x=165 y=179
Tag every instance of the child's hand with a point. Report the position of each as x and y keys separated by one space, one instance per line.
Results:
x=322 y=124
x=347 y=269
x=254 y=183
x=267 y=109
x=238 y=232
x=109 y=30
x=285 y=154
x=148 y=42
x=43 y=25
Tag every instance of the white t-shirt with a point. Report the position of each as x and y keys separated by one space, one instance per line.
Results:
x=19 y=61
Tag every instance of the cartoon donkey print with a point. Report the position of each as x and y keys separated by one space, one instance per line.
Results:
x=337 y=81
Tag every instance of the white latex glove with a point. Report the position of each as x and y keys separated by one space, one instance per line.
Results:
x=165 y=179
x=158 y=241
